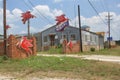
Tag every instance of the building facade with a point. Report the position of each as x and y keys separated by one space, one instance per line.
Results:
x=50 y=37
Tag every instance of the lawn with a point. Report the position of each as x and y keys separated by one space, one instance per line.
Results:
x=113 y=51
x=74 y=68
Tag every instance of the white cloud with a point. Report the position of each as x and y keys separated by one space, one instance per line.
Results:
x=1 y=21
x=33 y=29
x=46 y=26
x=57 y=1
x=56 y=12
x=13 y=28
x=14 y=17
x=97 y=25
x=17 y=12
x=94 y=0
x=45 y=11
x=23 y=32
x=41 y=9
x=118 y=5
x=11 y=18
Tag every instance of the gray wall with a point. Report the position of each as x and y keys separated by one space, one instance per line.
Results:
x=91 y=39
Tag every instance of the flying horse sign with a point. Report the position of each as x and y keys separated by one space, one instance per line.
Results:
x=62 y=22
x=25 y=44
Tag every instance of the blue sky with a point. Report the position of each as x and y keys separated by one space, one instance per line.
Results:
x=46 y=10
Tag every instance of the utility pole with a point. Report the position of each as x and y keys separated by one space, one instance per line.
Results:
x=80 y=28
x=28 y=28
x=4 y=27
x=109 y=40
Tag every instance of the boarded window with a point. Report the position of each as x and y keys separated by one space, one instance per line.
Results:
x=95 y=39
x=86 y=38
x=63 y=36
x=45 y=39
x=73 y=37
x=91 y=38
x=36 y=38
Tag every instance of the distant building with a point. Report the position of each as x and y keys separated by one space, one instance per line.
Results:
x=85 y=27
x=1 y=38
x=50 y=37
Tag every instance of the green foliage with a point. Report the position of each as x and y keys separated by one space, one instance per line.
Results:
x=112 y=51
x=92 y=49
x=3 y=58
x=55 y=50
x=59 y=46
x=52 y=50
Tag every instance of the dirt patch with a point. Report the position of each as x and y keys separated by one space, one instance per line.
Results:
x=41 y=75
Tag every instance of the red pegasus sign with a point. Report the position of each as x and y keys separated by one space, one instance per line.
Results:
x=7 y=27
x=25 y=44
x=60 y=19
x=62 y=22
x=26 y=16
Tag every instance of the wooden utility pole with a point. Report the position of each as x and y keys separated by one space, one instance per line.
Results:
x=28 y=28
x=81 y=49
x=4 y=27
x=109 y=40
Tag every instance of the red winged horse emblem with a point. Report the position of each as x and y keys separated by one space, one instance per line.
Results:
x=62 y=22
x=60 y=19
x=25 y=44
x=26 y=16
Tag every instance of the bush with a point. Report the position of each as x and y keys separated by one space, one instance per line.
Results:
x=59 y=46
x=55 y=50
x=92 y=49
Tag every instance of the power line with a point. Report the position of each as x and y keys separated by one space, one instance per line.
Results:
x=97 y=12
x=74 y=12
x=27 y=5
x=102 y=5
x=40 y=12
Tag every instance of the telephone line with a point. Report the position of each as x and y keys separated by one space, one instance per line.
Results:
x=74 y=13
x=27 y=5
x=97 y=12
x=40 y=12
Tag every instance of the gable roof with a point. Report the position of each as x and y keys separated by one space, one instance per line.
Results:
x=72 y=27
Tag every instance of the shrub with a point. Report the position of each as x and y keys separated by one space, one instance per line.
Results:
x=92 y=49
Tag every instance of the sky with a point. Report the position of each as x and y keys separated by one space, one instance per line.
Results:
x=46 y=11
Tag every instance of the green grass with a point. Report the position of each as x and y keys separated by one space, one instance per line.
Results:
x=52 y=51
x=61 y=66
x=112 y=51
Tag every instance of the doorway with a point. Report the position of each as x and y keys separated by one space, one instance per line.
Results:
x=52 y=39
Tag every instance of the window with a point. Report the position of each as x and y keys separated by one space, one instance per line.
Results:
x=73 y=37
x=45 y=39
x=95 y=39
x=91 y=39
x=36 y=38
x=85 y=37
x=63 y=36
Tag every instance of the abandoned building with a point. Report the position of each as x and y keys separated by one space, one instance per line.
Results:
x=50 y=37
